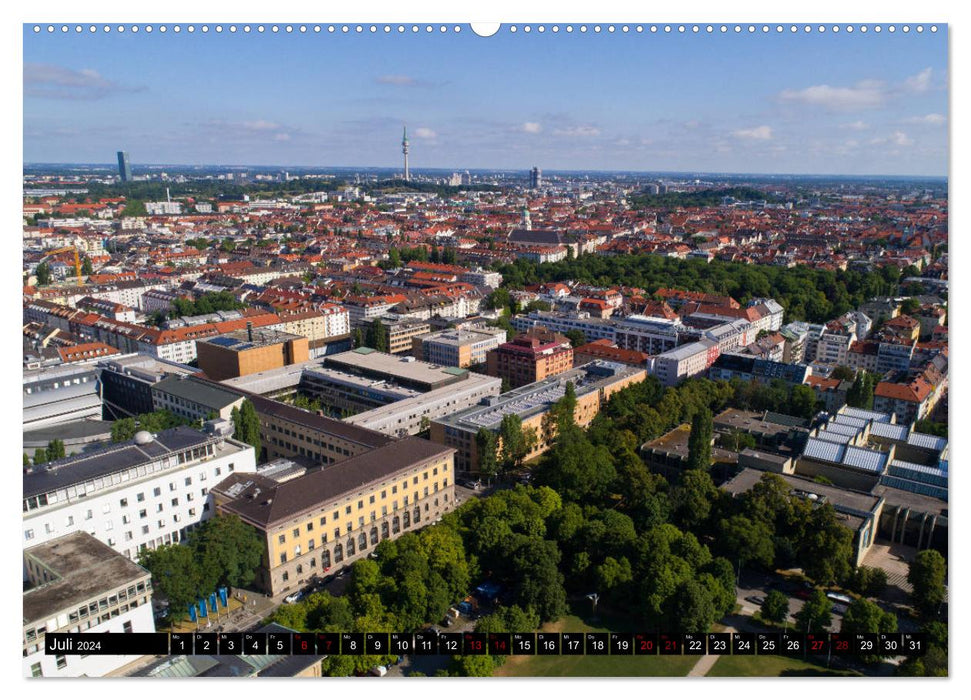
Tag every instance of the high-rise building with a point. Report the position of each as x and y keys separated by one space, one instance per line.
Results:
x=404 y=151
x=124 y=167
x=535 y=178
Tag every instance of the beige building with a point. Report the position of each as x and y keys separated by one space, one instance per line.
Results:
x=456 y=347
x=593 y=383
x=330 y=517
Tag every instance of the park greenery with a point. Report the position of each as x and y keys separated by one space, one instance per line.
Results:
x=699 y=198
x=222 y=551
x=807 y=294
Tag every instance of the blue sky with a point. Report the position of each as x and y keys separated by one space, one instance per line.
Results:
x=793 y=103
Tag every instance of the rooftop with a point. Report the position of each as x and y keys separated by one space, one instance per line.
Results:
x=406 y=371
x=239 y=341
x=84 y=568
x=533 y=399
x=197 y=391
x=265 y=502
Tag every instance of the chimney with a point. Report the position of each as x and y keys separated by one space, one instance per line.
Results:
x=249 y=330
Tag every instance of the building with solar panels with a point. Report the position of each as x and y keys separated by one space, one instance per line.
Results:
x=249 y=351
x=594 y=384
x=133 y=495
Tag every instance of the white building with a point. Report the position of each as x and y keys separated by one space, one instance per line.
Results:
x=689 y=360
x=157 y=208
x=337 y=320
x=80 y=586
x=134 y=495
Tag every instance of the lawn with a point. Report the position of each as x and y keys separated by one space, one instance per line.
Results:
x=588 y=666
x=734 y=666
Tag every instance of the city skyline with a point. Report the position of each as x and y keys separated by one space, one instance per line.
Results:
x=870 y=104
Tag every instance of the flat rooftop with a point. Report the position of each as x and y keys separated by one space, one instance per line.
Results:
x=751 y=422
x=845 y=501
x=197 y=391
x=460 y=337
x=246 y=340
x=84 y=467
x=84 y=568
x=406 y=371
x=533 y=399
x=675 y=443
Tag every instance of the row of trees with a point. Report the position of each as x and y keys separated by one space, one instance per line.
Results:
x=208 y=303
x=124 y=429
x=375 y=336
x=54 y=450
x=806 y=293
x=222 y=551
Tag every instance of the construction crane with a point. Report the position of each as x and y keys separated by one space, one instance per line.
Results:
x=77 y=259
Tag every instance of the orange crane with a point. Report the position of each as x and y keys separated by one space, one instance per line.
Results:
x=77 y=259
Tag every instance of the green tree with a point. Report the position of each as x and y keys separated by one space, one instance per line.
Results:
x=700 y=440
x=43 y=274
x=229 y=551
x=692 y=498
x=826 y=549
x=486 y=446
x=40 y=456
x=247 y=426
x=865 y=616
x=843 y=373
x=816 y=614
x=394 y=258
x=736 y=440
x=747 y=541
x=134 y=208
x=55 y=450
x=472 y=666
x=86 y=267
x=868 y=581
x=693 y=608
x=513 y=446
x=775 y=607
x=803 y=401
x=577 y=337
x=26 y=460
x=927 y=575
x=175 y=574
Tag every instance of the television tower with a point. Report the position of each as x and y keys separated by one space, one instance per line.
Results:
x=404 y=151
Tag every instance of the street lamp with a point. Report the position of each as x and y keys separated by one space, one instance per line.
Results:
x=594 y=597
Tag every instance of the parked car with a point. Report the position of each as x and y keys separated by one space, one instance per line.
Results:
x=294 y=597
x=379 y=671
x=755 y=599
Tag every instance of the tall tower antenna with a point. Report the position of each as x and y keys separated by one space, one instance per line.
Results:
x=404 y=151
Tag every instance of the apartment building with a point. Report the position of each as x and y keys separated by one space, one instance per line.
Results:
x=530 y=357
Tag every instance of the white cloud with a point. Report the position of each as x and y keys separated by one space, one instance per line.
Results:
x=425 y=133
x=927 y=120
x=920 y=82
x=899 y=138
x=261 y=125
x=865 y=94
x=531 y=127
x=756 y=133
x=58 y=82
x=281 y=137
x=856 y=126
x=583 y=130
x=396 y=80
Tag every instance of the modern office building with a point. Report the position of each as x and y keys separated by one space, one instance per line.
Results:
x=245 y=352
x=124 y=166
x=594 y=384
x=458 y=347
x=133 y=495
x=333 y=516
x=79 y=585
x=535 y=178
x=57 y=395
x=402 y=333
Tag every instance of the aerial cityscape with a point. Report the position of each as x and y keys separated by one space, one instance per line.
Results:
x=488 y=367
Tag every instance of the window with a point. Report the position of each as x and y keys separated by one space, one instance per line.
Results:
x=310 y=545
x=89 y=515
x=140 y=497
x=219 y=471
x=175 y=501
x=336 y=514
x=123 y=503
x=394 y=489
x=35 y=670
x=144 y=529
x=296 y=532
x=283 y=558
x=143 y=514
x=29 y=535
x=347 y=510
x=371 y=500
x=171 y=486
x=160 y=508
x=126 y=628
x=109 y=525
x=281 y=539
x=310 y=526
x=157 y=491
x=286 y=576
x=205 y=491
x=125 y=519
x=425 y=476
x=323 y=520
